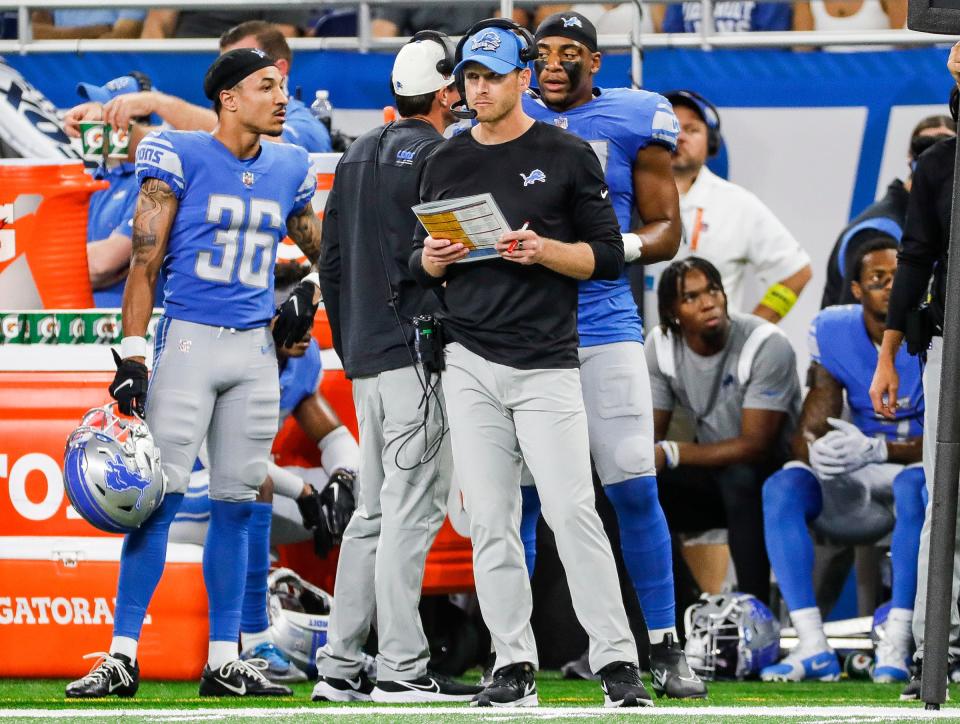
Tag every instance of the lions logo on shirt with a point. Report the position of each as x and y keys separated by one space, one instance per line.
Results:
x=534 y=176
x=489 y=41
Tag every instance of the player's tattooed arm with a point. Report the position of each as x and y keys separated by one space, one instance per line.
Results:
x=825 y=399
x=305 y=229
x=156 y=209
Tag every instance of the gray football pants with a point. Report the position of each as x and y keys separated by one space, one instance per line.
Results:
x=384 y=548
x=220 y=384
x=931 y=397
x=496 y=414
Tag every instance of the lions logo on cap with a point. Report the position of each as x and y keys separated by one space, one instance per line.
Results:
x=489 y=41
x=572 y=22
x=258 y=52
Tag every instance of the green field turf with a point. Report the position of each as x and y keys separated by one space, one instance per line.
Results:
x=573 y=697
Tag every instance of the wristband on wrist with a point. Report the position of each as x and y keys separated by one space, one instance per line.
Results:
x=133 y=347
x=632 y=246
x=671 y=452
x=313 y=278
x=780 y=299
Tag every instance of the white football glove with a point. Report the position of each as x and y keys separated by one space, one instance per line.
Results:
x=845 y=449
x=632 y=247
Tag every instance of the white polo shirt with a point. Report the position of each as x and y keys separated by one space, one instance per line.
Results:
x=733 y=229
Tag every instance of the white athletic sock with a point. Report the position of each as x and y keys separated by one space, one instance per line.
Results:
x=220 y=653
x=899 y=626
x=657 y=635
x=126 y=646
x=250 y=641
x=338 y=450
x=809 y=627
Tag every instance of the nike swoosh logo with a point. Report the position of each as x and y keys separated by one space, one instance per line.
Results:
x=819 y=665
x=114 y=685
x=603 y=194
x=692 y=679
x=296 y=307
x=125 y=383
x=433 y=686
x=239 y=690
x=354 y=684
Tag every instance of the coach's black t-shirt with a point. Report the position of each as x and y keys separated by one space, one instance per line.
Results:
x=522 y=316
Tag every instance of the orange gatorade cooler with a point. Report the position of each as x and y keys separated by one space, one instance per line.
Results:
x=323 y=165
x=43 y=233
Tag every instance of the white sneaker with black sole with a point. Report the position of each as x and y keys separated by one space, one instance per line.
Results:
x=330 y=688
x=431 y=687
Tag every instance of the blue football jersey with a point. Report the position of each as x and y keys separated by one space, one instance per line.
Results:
x=617 y=123
x=299 y=379
x=839 y=341
x=232 y=215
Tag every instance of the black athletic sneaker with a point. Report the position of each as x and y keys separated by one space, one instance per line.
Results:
x=621 y=685
x=431 y=687
x=911 y=692
x=240 y=678
x=112 y=675
x=671 y=675
x=512 y=686
x=330 y=688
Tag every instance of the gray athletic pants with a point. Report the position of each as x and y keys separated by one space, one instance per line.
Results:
x=218 y=383
x=496 y=414
x=384 y=548
x=931 y=397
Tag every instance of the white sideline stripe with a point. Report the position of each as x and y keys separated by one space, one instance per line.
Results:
x=858 y=713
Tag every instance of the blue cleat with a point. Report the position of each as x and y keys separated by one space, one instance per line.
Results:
x=821 y=666
x=279 y=668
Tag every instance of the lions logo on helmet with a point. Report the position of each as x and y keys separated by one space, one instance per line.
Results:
x=299 y=614
x=730 y=636
x=111 y=471
x=489 y=41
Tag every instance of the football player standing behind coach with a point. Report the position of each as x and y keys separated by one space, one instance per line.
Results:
x=511 y=382
x=404 y=477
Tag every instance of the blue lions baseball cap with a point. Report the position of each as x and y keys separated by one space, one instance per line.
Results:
x=106 y=93
x=496 y=48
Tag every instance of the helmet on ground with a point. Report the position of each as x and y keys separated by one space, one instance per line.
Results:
x=299 y=613
x=730 y=636
x=111 y=471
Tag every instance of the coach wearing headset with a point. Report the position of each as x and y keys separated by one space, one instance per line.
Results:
x=511 y=382
x=405 y=463
x=728 y=225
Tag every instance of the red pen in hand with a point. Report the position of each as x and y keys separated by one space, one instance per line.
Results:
x=513 y=244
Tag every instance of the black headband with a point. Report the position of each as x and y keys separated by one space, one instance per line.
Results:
x=232 y=67
x=569 y=25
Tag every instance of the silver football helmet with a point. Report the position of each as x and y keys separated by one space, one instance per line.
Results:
x=112 y=472
x=299 y=614
x=730 y=636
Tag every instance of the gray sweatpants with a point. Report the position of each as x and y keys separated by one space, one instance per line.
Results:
x=931 y=398
x=498 y=413
x=218 y=383
x=401 y=504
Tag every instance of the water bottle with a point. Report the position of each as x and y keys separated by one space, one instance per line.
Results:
x=322 y=109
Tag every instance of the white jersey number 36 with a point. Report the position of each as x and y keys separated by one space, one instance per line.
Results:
x=243 y=237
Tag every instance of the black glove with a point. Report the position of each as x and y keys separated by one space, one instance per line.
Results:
x=295 y=316
x=309 y=506
x=337 y=502
x=323 y=542
x=129 y=387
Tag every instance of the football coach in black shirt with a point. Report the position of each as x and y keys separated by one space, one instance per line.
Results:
x=405 y=469
x=923 y=252
x=512 y=382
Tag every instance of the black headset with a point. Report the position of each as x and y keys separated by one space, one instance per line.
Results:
x=444 y=65
x=526 y=45
x=711 y=116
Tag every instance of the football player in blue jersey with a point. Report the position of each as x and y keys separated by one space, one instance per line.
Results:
x=294 y=503
x=211 y=210
x=853 y=482
x=633 y=133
